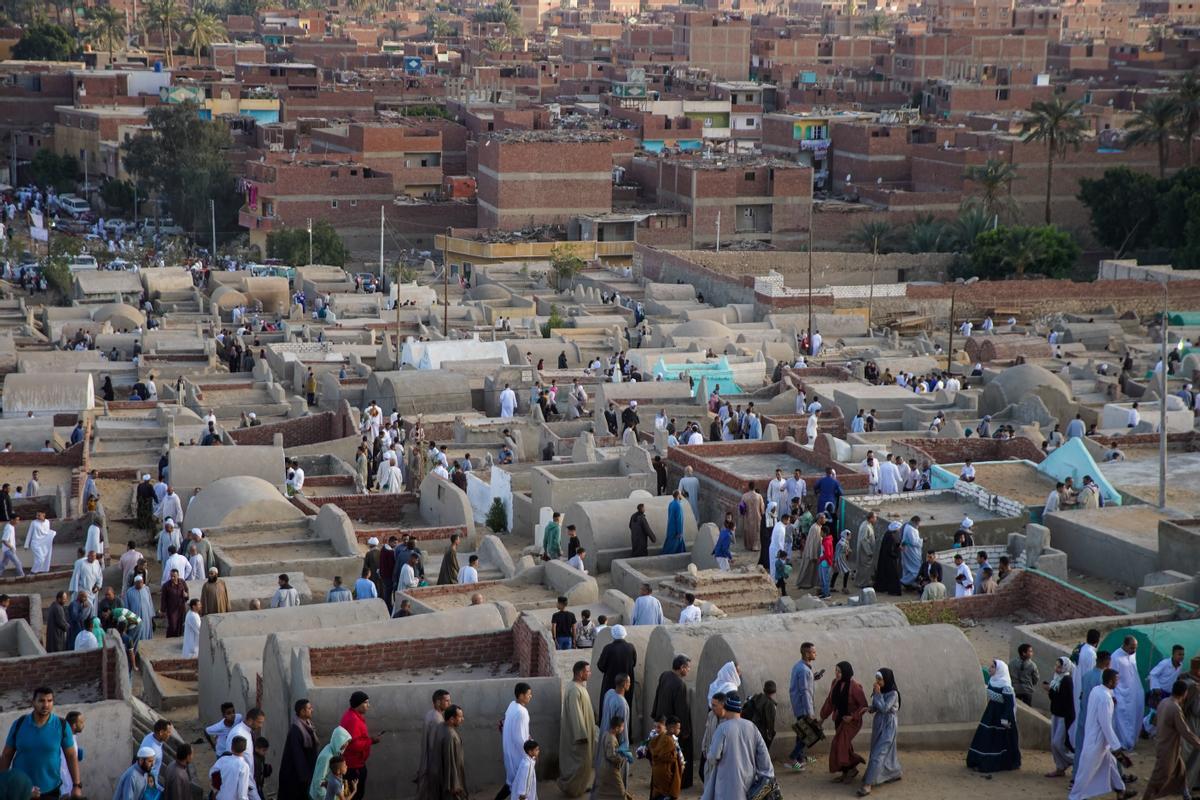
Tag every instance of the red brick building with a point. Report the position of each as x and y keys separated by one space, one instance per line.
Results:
x=411 y=153
x=717 y=43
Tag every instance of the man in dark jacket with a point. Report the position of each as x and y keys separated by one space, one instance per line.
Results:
x=299 y=754
x=57 y=624
x=629 y=417
x=618 y=657
x=639 y=532
x=671 y=700
x=610 y=418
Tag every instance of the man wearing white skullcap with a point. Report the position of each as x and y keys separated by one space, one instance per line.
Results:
x=138 y=777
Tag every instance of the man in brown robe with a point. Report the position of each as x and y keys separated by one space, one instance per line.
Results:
x=452 y=765
x=577 y=735
x=430 y=788
x=214 y=596
x=750 y=522
x=174 y=603
x=448 y=574
x=1191 y=713
x=1169 y=776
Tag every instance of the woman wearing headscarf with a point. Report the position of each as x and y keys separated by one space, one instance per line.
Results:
x=1062 y=716
x=884 y=765
x=843 y=561
x=337 y=743
x=887 y=570
x=846 y=703
x=995 y=747
x=728 y=679
x=765 y=555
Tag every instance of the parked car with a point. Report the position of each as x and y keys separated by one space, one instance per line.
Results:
x=83 y=263
x=74 y=206
x=369 y=281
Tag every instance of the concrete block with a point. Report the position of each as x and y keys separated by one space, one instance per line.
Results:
x=866 y=596
x=1037 y=539
x=1165 y=578
x=1016 y=545
x=491 y=551
x=245 y=588
x=1053 y=562
x=615 y=599
x=706 y=540
x=578 y=587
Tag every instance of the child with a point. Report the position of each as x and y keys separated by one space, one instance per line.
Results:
x=525 y=784
x=336 y=786
x=760 y=709
x=585 y=631
x=610 y=782
x=782 y=570
x=262 y=770
x=666 y=759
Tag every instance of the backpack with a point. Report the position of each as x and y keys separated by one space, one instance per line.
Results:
x=62 y=728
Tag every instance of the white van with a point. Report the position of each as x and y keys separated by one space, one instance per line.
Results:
x=75 y=206
x=83 y=263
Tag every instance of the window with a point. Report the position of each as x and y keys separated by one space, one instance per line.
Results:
x=749 y=176
x=333 y=203
x=354 y=204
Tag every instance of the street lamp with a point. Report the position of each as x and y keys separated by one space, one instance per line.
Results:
x=958 y=284
x=1162 y=400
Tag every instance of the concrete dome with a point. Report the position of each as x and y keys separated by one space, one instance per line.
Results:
x=227 y=298
x=120 y=314
x=702 y=329
x=239 y=499
x=1016 y=383
x=488 y=291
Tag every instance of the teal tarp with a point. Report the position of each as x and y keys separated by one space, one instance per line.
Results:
x=1183 y=317
x=718 y=374
x=1072 y=460
x=1155 y=642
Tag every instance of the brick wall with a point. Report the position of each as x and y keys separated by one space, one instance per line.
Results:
x=955 y=451
x=69 y=457
x=531 y=648
x=697 y=457
x=1032 y=593
x=56 y=670
x=18 y=607
x=1188 y=441
x=1039 y=297
x=414 y=654
x=449 y=589
x=420 y=534
x=367 y=507
x=131 y=405
x=310 y=429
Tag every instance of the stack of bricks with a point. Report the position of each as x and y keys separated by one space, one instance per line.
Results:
x=739 y=592
x=995 y=503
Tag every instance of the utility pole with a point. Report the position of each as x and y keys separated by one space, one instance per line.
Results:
x=446 y=286
x=718 y=231
x=812 y=191
x=1162 y=404
x=310 y=241
x=381 y=246
x=135 y=204
x=212 y=212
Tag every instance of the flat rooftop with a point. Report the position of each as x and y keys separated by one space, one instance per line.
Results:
x=756 y=465
x=947 y=508
x=1138 y=475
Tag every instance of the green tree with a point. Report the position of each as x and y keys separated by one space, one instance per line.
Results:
x=291 y=245
x=164 y=14
x=966 y=227
x=927 y=234
x=1123 y=205
x=501 y=11
x=396 y=27
x=553 y=321
x=497 y=517
x=50 y=169
x=107 y=26
x=44 y=41
x=1024 y=250
x=994 y=181
x=1187 y=255
x=435 y=26
x=1058 y=125
x=118 y=195
x=1172 y=208
x=874 y=237
x=1187 y=99
x=1153 y=125
x=877 y=24
x=566 y=265
x=183 y=158
x=201 y=30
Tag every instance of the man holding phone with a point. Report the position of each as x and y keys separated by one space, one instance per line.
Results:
x=800 y=690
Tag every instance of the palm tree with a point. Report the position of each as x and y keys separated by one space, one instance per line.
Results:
x=501 y=11
x=395 y=26
x=877 y=24
x=200 y=30
x=164 y=14
x=435 y=26
x=994 y=179
x=1187 y=101
x=972 y=221
x=926 y=234
x=108 y=25
x=1059 y=125
x=873 y=237
x=1154 y=124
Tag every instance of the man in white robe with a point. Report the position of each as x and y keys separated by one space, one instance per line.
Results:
x=191 y=630
x=1087 y=662
x=964 y=581
x=177 y=561
x=1096 y=770
x=689 y=486
x=40 y=540
x=94 y=542
x=168 y=537
x=779 y=536
x=508 y=402
x=889 y=477
x=515 y=732
x=170 y=506
x=1130 y=694
x=88 y=576
x=870 y=468
x=777 y=491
